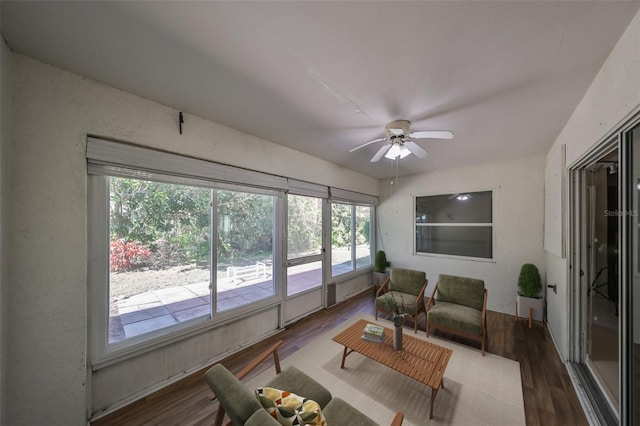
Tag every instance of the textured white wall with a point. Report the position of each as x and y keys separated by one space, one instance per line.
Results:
x=53 y=112
x=557 y=303
x=518 y=187
x=613 y=95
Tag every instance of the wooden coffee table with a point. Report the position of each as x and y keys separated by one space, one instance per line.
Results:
x=421 y=360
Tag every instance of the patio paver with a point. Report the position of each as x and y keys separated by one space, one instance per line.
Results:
x=149 y=311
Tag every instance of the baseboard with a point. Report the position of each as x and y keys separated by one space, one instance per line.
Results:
x=555 y=344
x=352 y=295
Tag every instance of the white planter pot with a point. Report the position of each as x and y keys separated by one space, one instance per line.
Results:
x=379 y=278
x=537 y=305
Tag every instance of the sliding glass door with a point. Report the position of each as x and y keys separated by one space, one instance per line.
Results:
x=605 y=271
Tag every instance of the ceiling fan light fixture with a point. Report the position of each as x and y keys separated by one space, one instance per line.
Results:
x=393 y=152
x=404 y=151
x=397 y=150
x=400 y=143
x=463 y=197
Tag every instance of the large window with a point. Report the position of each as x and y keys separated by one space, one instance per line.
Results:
x=350 y=237
x=455 y=224
x=178 y=244
x=160 y=251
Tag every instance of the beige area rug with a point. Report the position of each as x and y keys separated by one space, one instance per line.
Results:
x=478 y=390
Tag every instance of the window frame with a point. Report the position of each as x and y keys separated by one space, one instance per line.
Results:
x=461 y=225
x=105 y=353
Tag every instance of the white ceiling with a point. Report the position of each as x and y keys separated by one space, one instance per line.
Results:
x=323 y=77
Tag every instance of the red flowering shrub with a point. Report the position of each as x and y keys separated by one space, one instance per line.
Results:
x=127 y=256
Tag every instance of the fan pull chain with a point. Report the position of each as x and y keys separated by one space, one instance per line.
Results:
x=395 y=182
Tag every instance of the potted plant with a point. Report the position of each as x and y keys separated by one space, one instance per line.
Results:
x=529 y=302
x=380 y=273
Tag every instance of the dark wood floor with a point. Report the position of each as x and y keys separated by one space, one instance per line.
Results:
x=549 y=397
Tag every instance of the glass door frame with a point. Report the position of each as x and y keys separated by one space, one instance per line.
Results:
x=621 y=139
x=581 y=200
x=627 y=272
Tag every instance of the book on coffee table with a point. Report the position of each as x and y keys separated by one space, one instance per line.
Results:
x=373 y=339
x=373 y=333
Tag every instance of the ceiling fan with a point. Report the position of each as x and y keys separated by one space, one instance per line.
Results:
x=399 y=141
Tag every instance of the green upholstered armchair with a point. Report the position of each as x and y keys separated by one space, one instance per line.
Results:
x=459 y=308
x=241 y=406
x=406 y=288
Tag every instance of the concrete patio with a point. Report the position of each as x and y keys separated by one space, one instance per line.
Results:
x=152 y=310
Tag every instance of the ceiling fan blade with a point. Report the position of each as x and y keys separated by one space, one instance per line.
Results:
x=432 y=134
x=382 y=151
x=415 y=149
x=368 y=143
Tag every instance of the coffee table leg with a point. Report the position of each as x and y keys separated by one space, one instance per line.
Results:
x=344 y=356
x=434 y=392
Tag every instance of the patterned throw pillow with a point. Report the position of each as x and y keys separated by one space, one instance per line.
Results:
x=290 y=409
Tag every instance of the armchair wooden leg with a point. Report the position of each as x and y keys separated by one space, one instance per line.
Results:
x=219 y=415
x=397 y=420
x=376 y=314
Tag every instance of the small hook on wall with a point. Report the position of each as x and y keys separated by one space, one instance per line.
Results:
x=181 y=121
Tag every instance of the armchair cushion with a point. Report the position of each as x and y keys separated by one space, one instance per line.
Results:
x=406 y=302
x=458 y=317
x=406 y=281
x=294 y=380
x=461 y=291
x=340 y=413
